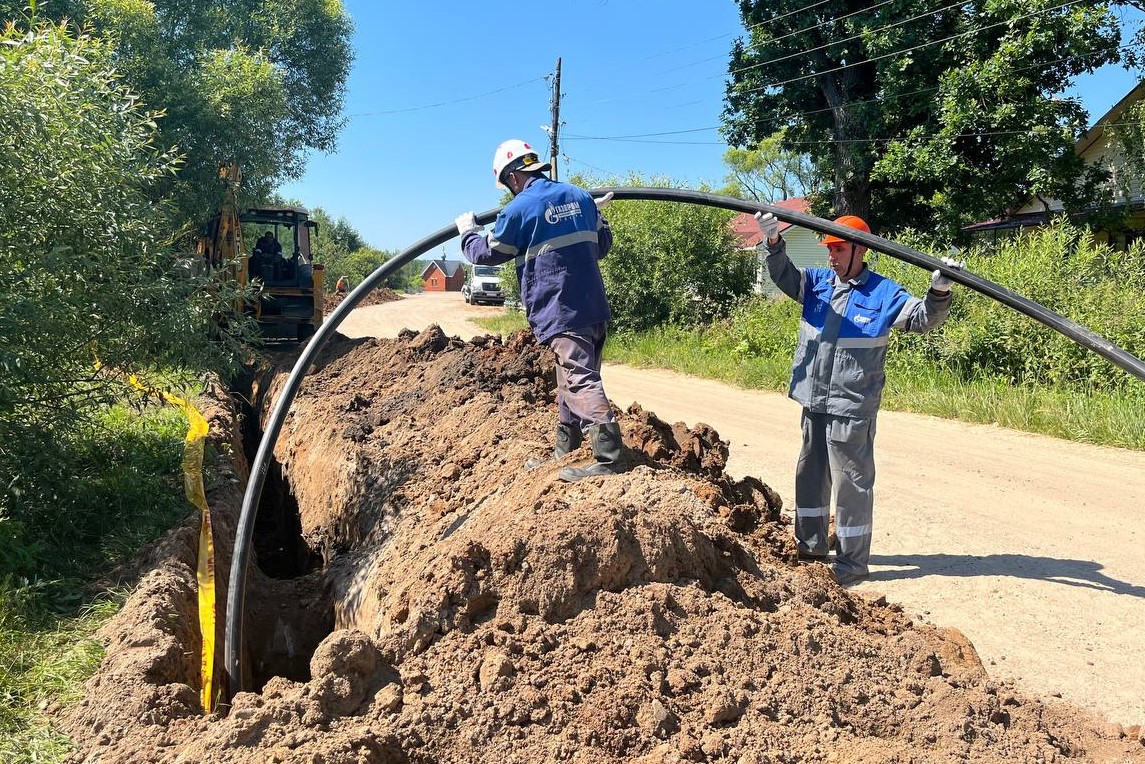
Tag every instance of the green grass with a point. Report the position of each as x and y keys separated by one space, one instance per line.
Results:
x=504 y=324
x=88 y=503
x=44 y=659
x=1114 y=418
x=1110 y=418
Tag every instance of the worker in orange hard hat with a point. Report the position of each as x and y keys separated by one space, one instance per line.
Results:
x=838 y=377
x=841 y=253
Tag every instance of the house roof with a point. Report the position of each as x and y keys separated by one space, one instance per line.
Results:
x=448 y=267
x=1098 y=130
x=1017 y=219
x=746 y=231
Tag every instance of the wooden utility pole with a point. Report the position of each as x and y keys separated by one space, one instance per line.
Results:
x=554 y=144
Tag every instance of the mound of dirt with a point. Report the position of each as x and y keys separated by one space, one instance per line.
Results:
x=420 y=597
x=375 y=297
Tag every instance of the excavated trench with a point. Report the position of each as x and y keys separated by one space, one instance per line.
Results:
x=287 y=571
x=280 y=552
x=416 y=596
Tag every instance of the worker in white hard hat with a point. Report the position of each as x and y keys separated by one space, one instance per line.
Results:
x=556 y=234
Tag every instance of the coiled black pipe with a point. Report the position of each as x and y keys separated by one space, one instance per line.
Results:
x=236 y=591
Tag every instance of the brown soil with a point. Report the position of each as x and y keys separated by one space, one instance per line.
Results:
x=432 y=601
x=377 y=296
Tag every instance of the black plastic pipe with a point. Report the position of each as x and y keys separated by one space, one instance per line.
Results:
x=1075 y=332
x=236 y=591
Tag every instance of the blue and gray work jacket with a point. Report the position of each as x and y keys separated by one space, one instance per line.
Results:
x=840 y=360
x=556 y=235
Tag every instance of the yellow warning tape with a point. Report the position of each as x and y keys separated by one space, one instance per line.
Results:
x=205 y=570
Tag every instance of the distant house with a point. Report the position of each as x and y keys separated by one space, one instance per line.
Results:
x=1095 y=147
x=803 y=245
x=443 y=276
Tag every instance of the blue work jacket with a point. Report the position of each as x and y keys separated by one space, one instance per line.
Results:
x=555 y=235
x=840 y=359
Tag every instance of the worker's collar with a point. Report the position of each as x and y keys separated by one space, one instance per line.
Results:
x=859 y=280
x=533 y=177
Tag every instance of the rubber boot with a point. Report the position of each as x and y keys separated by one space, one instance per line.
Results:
x=568 y=439
x=606 y=443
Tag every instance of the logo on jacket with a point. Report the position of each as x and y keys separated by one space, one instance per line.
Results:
x=860 y=319
x=555 y=213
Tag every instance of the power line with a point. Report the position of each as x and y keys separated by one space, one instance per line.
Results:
x=840 y=42
x=979 y=134
x=845 y=66
x=591 y=167
x=848 y=105
x=908 y=50
x=749 y=30
x=730 y=34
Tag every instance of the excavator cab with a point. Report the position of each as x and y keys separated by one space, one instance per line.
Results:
x=280 y=260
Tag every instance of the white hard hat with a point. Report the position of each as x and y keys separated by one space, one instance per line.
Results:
x=515 y=154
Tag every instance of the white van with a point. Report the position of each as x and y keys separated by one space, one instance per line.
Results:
x=484 y=286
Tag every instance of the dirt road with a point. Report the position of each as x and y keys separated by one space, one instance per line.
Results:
x=1029 y=545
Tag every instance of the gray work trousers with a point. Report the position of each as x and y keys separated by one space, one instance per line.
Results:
x=580 y=392
x=838 y=454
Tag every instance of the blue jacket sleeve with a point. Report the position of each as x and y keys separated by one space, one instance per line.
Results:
x=604 y=234
x=496 y=248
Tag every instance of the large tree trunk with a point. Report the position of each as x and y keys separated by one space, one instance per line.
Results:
x=852 y=174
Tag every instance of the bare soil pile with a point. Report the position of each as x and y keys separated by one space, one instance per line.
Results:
x=375 y=297
x=432 y=601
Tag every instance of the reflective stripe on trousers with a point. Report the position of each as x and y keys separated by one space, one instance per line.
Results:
x=580 y=392
x=838 y=453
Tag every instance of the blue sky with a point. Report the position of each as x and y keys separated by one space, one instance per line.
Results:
x=435 y=88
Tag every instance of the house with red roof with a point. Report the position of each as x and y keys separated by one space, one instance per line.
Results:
x=443 y=276
x=803 y=245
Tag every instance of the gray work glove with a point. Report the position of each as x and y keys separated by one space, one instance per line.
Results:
x=768 y=225
x=466 y=222
x=940 y=283
x=603 y=201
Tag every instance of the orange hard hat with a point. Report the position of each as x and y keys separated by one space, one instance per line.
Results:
x=851 y=221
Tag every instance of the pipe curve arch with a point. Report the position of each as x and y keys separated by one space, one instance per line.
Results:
x=236 y=590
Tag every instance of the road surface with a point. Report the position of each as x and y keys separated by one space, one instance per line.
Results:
x=1027 y=544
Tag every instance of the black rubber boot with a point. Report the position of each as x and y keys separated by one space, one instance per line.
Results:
x=568 y=439
x=606 y=443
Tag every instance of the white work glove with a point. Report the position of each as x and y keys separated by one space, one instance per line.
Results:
x=603 y=201
x=940 y=283
x=768 y=225
x=466 y=222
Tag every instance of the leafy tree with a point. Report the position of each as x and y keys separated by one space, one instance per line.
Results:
x=88 y=287
x=335 y=239
x=923 y=116
x=670 y=263
x=258 y=83
x=768 y=172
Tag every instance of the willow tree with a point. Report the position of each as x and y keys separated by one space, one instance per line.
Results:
x=922 y=113
x=259 y=83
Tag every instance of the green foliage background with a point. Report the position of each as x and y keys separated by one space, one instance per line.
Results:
x=88 y=285
x=915 y=117
x=1060 y=266
x=669 y=264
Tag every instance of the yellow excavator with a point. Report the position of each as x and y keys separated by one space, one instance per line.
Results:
x=289 y=302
